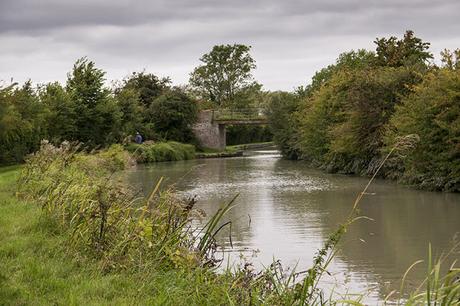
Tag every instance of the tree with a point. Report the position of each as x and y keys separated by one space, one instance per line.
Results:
x=21 y=122
x=135 y=96
x=147 y=85
x=410 y=50
x=451 y=60
x=173 y=114
x=99 y=116
x=282 y=122
x=432 y=111
x=346 y=61
x=60 y=115
x=225 y=72
x=341 y=126
x=133 y=113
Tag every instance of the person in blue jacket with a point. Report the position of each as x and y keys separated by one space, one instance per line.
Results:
x=138 y=139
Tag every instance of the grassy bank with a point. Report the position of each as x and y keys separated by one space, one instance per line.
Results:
x=175 y=151
x=38 y=266
x=72 y=235
x=161 y=151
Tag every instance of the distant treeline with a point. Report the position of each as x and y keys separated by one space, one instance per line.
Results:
x=367 y=103
x=346 y=120
x=87 y=111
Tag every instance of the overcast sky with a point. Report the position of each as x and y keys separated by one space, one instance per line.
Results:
x=290 y=39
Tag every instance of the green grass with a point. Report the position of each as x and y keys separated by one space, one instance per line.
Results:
x=37 y=267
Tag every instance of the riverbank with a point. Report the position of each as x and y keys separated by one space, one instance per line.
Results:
x=233 y=151
x=150 y=152
x=42 y=263
x=39 y=267
x=87 y=240
x=57 y=247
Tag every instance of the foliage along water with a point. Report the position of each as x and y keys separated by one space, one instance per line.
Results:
x=286 y=210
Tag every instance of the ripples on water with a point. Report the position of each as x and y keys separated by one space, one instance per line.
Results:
x=286 y=210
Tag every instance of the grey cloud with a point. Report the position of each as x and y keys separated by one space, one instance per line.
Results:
x=290 y=39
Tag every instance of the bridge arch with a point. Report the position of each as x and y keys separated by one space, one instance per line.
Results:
x=210 y=128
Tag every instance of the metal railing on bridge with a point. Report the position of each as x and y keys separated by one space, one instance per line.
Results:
x=246 y=114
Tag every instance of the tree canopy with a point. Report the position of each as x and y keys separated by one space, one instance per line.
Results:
x=226 y=71
x=409 y=50
x=98 y=114
x=356 y=110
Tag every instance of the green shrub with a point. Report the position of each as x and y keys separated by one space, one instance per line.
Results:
x=172 y=115
x=102 y=216
x=432 y=112
x=343 y=123
x=282 y=122
x=161 y=151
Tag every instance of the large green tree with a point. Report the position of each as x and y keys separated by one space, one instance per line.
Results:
x=60 y=115
x=173 y=114
x=135 y=97
x=147 y=86
x=99 y=115
x=21 y=122
x=226 y=72
x=431 y=111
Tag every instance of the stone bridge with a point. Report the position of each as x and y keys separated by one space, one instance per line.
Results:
x=210 y=126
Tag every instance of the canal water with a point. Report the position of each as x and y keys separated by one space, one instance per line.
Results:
x=286 y=210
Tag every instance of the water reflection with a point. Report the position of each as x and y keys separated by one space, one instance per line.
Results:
x=287 y=210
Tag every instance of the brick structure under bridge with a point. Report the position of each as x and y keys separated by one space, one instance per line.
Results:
x=210 y=127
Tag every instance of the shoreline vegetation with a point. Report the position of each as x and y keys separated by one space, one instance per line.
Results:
x=88 y=240
x=150 y=152
x=353 y=112
x=344 y=121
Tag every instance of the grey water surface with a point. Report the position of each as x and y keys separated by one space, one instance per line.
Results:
x=286 y=210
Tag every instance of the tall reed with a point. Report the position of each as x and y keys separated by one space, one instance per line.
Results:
x=106 y=220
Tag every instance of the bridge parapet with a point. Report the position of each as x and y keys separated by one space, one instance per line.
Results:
x=244 y=116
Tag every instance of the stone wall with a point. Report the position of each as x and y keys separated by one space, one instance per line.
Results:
x=209 y=133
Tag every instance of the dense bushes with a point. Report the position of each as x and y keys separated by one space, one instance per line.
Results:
x=102 y=217
x=21 y=122
x=161 y=151
x=155 y=109
x=342 y=125
x=353 y=112
x=87 y=111
x=432 y=111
